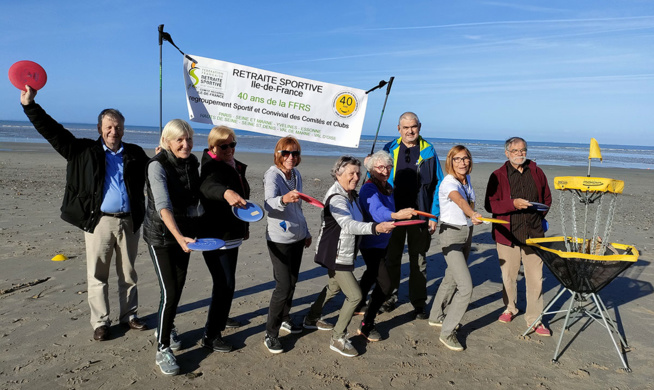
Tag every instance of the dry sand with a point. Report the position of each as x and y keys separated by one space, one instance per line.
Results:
x=46 y=339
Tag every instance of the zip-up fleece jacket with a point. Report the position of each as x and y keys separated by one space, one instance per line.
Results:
x=286 y=223
x=376 y=207
x=342 y=218
x=429 y=173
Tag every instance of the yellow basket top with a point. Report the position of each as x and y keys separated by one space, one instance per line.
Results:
x=631 y=253
x=589 y=184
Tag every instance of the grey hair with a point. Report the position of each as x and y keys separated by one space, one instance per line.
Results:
x=174 y=129
x=381 y=155
x=513 y=140
x=409 y=116
x=111 y=113
x=341 y=163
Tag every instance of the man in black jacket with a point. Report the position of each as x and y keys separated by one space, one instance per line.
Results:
x=104 y=197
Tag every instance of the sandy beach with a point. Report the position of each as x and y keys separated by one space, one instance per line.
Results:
x=46 y=340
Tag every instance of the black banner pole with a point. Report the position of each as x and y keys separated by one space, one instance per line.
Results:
x=161 y=32
x=164 y=36
x=388 y=91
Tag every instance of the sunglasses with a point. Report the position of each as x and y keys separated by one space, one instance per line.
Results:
x=286 y=153
x=229 y=145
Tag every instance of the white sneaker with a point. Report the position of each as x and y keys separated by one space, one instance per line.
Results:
x=290 y=327
x=343 y=346
x=175 y=342
x=166 y=362
x=451 y=342
x=319 y=324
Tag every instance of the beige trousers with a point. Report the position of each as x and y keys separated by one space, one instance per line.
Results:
x=111 y=235
x=510 y=259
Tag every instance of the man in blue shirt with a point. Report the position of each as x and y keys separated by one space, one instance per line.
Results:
x=104 y=196
x=415 y=178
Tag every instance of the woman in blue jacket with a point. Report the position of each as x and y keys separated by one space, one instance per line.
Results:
x=378 y=205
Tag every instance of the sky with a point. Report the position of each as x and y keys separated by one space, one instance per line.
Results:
x=556 y=70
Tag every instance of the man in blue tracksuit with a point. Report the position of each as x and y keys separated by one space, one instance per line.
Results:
x=415 y=178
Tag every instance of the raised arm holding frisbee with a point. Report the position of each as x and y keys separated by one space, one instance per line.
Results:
x=109 y=207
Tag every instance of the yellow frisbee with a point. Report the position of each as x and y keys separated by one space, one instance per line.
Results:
x=492 y=220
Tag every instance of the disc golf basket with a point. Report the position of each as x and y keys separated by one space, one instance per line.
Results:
x=583 y=260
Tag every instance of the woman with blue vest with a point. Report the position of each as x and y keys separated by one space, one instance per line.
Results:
x=172 y=215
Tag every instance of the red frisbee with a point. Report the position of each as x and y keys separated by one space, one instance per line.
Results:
x=311 y=200
x=409 y=222
x=424 y=214
x=27 y=73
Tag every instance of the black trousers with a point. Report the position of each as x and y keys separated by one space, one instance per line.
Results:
x=286 y=260
x=222 y=266
x=376 y=273
x=170 y=264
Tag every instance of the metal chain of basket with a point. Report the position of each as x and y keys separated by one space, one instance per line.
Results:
x=596 y=244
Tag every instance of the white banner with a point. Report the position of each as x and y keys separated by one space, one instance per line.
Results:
x=238 y=96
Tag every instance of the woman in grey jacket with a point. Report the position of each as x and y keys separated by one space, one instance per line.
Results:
x=342 y=222
x=287 y=235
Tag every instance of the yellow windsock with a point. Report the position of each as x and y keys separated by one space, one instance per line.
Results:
x=594 y=150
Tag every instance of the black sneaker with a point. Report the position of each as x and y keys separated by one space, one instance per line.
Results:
x=217 y=344
x=369 y=332
x=360 y=310
x=290 y=327
x=232 y=323
x=388 y=306
x=273 y=344
x=420 y=313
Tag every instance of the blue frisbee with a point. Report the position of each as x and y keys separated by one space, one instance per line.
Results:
x=252 y=212
x=206 y=244
x=538 y=206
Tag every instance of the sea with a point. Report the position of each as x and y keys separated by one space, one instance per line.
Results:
x=492 y=151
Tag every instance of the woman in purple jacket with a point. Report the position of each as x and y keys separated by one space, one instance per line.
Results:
x=376 y=199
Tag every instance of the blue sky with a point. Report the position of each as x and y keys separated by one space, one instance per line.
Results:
x=546 y=70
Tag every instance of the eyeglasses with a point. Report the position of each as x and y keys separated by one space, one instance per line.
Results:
x=518 y=151
x=461 y=159
x=382 y=168
x=229 y=145
x=286 y=153
x=407 y=155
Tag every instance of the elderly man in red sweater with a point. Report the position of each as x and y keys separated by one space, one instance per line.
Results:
x=509 y=194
